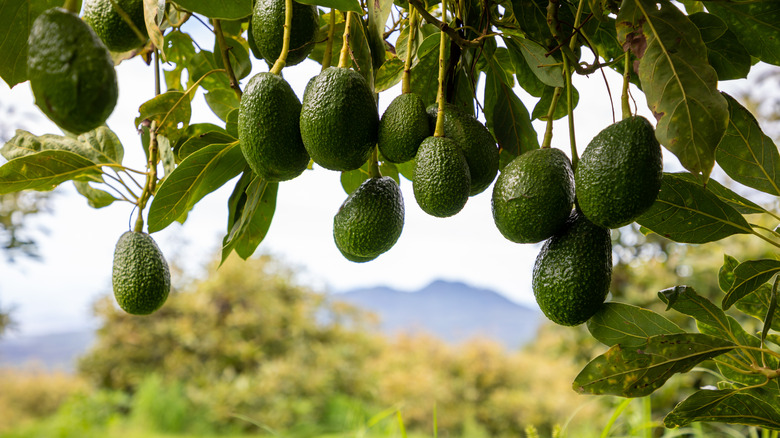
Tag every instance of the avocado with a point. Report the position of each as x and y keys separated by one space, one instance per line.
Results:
x=339 y=119
x=109 y=25
x=403 y=126
x=474 y=139
x=619 y=174
x=71 y=72
x=370 y=221
x=269 y=130
x=441 y=177
x=268 y=30
x=572 y=272
x=533 y=196
x=141 y=278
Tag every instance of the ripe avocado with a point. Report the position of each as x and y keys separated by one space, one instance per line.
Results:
x=370 y=221
x=141 y=278
x=269 y=130
x=339 y=119
x=572 y=271
x=268 y=30
x=109 y=25
x=533 y=196
x=71 y=72
x=619 y=174
x=441 y=177
x=475 y=140
x=403 y=126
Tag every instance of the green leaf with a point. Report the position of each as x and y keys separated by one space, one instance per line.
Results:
x=531 y=15
x=543 y=106
x=378 y=12
x=171 y=110
x=167 y=156
x=96 y=198
x=389 y=74
x=222 y=9
x=739 y=203
x=424 y=80
x=679 y=83
x=686 y=212
x=45 y=170
x=496 y=61
x=748 y=155
x=724 y=51
x=352 y=179
x=341 y=5
x=197 y=129
x=603 y=35
x=198 y=175
x=738 y=406
x=200 y=141
x=756 y=24
x=756 y=304
x=153 y=15
x=639 y=370
x=16 y=19
x=726 y=272
x=202 y=63
x=627 y=325
x=231 y=125
x=507 y=118
x=100 y=145
x=525 y=76
x=748 y=276
x=771 y=311
x=238 y=53
x=222 y=101
x=252 y=205
x=546 y=68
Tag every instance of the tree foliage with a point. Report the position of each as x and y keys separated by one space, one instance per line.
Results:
x=673 y=53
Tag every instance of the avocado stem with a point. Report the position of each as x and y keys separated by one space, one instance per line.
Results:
x=151 y=177
x=344 y=56
x=224 y=50
x=570 y=115
x=72 y=6
x=281 y=61
x=406 y=84
x=626 y=77
x=373 y=166
x=328 y=56
x=548 y=132
x=439 y=131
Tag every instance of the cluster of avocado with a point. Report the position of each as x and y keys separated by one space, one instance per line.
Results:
x=617 y=179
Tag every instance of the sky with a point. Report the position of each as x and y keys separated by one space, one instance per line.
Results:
x=56 y=293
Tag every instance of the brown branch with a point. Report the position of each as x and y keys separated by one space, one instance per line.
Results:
x=224 y=49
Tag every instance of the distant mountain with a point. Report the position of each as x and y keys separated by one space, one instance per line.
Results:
x=53 y=351
x=452 y=311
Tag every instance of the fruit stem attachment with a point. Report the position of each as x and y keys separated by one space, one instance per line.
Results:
x=344 y=56
x=327 y=58
x=548 y=132
x=406 y=84
x=373 y=165
x=570 y=116
x=281 y=61
x=151 y=177
x=626 y=77
x=439 y=131
x=225 y=50
x=72 y=6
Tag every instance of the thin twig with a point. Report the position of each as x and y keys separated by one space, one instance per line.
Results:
x=225 y=51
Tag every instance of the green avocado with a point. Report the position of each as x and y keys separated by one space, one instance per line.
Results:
x=403 y=126
x=370 y=221
x=475 y=140
x=441 y=177
x=268 y=30
x=339 y=119
x=269 y=130
x=71 y=72
x=141 y=278
x=533 y=196
x=109 y=25
x=572 y=272
x=619 y=174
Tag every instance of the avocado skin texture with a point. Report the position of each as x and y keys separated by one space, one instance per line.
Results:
x=268 y=30
x=403 y=126
x=619 y=174
x=370 y=220
x=339 y=119
x=441 y=177
x=475 y=140
x=116 y=34
x=141 y=278
x=572 y=272
x=71 y=72
x=533 y=196
x=268 y=127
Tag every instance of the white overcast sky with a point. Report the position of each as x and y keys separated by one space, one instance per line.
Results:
x=77 y=248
